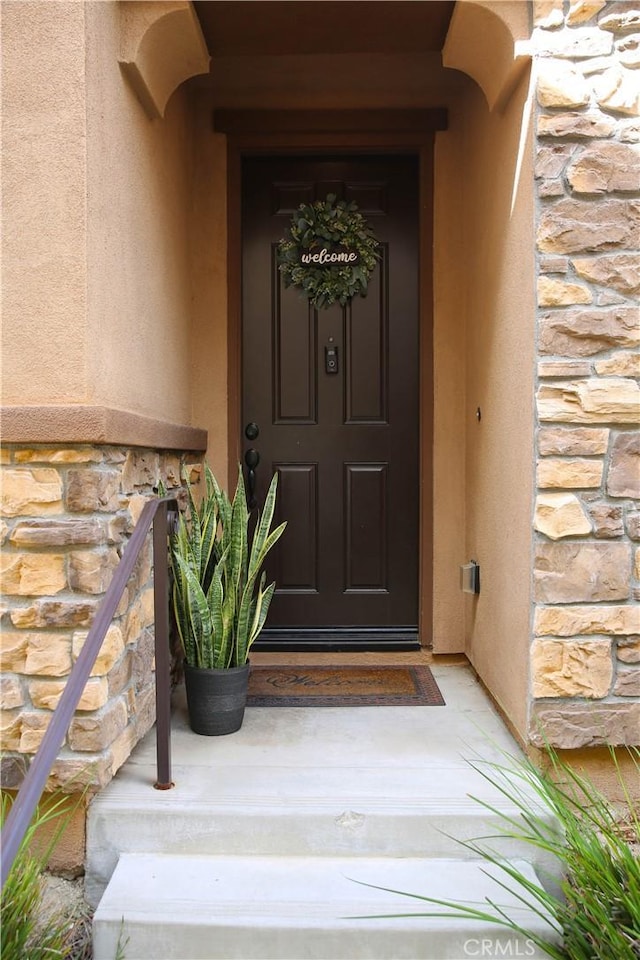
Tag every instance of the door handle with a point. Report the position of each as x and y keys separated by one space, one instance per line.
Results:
x=252 y=459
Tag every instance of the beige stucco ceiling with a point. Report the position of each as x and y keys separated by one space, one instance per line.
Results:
x=321 y=54
x=274 y=28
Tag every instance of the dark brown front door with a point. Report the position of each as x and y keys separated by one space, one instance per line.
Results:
x=344 y=438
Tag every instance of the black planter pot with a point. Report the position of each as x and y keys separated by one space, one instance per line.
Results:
x=216 y=699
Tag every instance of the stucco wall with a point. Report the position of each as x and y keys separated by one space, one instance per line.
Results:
x=97 y=275
x=208 y=363
x=499 y=345
x=138 y=250
x=449 y=387
x=44 y=268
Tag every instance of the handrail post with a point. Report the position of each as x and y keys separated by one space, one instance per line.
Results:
x=162 y=652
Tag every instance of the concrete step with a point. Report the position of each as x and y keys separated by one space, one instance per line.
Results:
x=295 y=811
x=286 y=908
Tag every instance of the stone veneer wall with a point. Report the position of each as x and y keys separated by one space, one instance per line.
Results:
x=67 y=513
x=586 y=647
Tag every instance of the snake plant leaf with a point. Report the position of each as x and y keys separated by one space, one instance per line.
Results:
x=264 y=523
x=262 y=609
x=197 y=613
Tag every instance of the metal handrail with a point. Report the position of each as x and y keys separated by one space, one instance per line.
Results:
x=156 y=512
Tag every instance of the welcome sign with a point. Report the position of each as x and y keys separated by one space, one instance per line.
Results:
x=327 y=256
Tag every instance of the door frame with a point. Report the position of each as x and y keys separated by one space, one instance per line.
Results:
x=378 y=132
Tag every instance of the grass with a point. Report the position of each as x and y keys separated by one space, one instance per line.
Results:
x=24 y=935
x=595 y=915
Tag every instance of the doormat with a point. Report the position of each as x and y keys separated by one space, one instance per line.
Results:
x=346 y=686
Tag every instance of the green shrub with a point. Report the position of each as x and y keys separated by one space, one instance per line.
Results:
x=596 y=913
x=21 y=936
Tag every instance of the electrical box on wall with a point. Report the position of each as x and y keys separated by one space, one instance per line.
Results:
x=470 y=577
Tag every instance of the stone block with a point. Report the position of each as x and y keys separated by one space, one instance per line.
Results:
x=623 y=363
x=576 y=226
x=140 y=616
x=4 y=530
x=575 y=44
x=144 y=566
x=636 y=564
x=563 y=369
x=110 y=651
x=54 y=613
x=629 y=650
x=34 y=727
x=141 y=469
x=11 y=693
x=145 y=710
x=557 y=293
x=560 y=515
x=13 y=770
x=571 y=474
x=135 y=506
x=621 y=17
x=582 y=10
x=120 y=750
x=628 y=51
x=598 y=400
x=58 y=533
x=46 y=694
x=605 y=167
x=96 y=732
x=627 y=683
x=143 y=662
x=171 y=470
x=561 y=85
x=616 y=270
x=48 y=655
x=623 y=475
x=114 y=455
x=571 y=668
x=584 y=332
x=553 y=264
x=632 y=524
x=581 y=572
x=629 y=131
x=63 y=455
x=120 y=675
x=10 y=727
x=32 y=574
x=92 y=490
x=578 y=125
x=615 y=620
x=13 y=651
x=573 y=725
x=548 y=14
x=71 y=774
x=118 y=528
x=91 y=571
x=617 y=90
x=550 y=188
x=573 y=441
x=25 y=492
x=607 y=521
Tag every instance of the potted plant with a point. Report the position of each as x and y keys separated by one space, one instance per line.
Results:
x=220 y=600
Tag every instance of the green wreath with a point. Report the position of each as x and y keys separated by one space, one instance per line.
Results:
x=329 y=253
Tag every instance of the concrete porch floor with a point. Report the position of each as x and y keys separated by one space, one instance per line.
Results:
x=467 y=728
